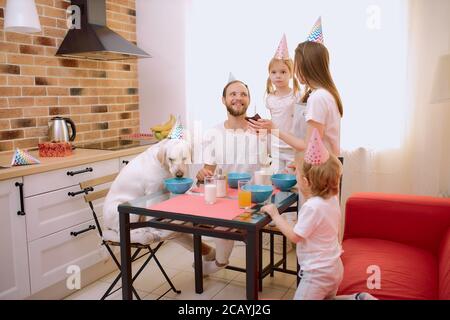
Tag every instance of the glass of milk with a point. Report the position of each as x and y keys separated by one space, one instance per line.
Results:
x=210 y=190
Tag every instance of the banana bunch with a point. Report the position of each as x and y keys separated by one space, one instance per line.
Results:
x=161 y=131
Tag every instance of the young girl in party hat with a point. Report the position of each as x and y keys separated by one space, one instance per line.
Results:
x=324 y=108
x=284 y=105
x=317 y=228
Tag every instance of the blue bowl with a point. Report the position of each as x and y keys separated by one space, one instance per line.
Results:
x=259 y=193
x=234 y=177
x=178 y=185
x=284 y=182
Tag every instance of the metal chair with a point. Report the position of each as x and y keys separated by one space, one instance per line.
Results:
x=111 y=238
x=281 y=264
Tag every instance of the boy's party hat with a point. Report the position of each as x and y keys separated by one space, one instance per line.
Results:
x=177 y=131
x=316 y=34
x=316 y=153
x=22 y=158
x=231 y=78
x=282 y=52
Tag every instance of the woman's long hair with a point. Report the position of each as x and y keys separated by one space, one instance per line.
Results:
x=312 y=64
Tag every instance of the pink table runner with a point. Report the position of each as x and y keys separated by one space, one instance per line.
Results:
x=230 y=191
x=226 y=209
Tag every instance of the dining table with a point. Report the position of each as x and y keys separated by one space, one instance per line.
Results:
x=189 y=213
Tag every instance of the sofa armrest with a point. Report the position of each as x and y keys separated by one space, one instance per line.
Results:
x=419 y=221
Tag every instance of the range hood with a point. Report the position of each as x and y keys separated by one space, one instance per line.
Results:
x=94 y=40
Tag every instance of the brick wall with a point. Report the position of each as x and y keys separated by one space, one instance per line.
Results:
x=100 y=97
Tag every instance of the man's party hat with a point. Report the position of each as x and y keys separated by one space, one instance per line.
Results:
x=282 y=52
x=316 y=34
x=22 y=158
x=231 y=78
x=177 y=131
x=316 y=153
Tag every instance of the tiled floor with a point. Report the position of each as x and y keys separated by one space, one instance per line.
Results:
x=223 y=285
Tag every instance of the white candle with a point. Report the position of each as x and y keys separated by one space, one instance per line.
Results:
x=258 y=178
x=221 y=188
x=266 y=179
x=263 y=178
x=210 y=193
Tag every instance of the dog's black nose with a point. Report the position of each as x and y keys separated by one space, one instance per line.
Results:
x=179 y=174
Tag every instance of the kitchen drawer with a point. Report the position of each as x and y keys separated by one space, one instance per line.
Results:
x=50 y=256
x=123 y=161
x=58 y=179
x=54 y=211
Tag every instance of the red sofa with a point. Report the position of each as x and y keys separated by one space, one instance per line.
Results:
x=407 y=236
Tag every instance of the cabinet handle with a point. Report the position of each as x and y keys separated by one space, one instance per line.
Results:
x=21 y=212
x=75 y=233
x=72 y=173
x=125 y=162
x=85 y=190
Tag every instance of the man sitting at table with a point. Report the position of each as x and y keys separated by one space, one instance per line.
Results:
x=233 y=147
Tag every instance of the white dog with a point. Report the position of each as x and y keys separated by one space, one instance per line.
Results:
x=145 y=175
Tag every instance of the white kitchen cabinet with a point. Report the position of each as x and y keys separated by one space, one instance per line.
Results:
x=51 y=256
x=53 y=211
x=14 y=276
x=123 y=161
x=53 y=215
x=37 y=248
x=60 y=207
x=63 y=178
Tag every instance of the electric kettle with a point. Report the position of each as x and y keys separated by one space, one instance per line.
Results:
x=59 y=129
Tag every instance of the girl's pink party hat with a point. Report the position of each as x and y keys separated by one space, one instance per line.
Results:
x=282 y=52
x=316 y=152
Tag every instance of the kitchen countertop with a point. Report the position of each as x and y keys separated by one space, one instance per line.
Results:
x=79 y=157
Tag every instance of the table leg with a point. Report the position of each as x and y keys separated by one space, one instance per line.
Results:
x=252 y=264
x=125 y=252
x=198 y=264
x=260 y=278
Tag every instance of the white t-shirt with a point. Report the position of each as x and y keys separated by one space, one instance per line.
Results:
x=318 y=223
x=234 y=150
x=288 y=115
x=322 y=108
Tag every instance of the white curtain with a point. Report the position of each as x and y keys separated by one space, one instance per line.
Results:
x=420 y=165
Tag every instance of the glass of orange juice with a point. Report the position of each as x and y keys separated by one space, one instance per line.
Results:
x=244 y=197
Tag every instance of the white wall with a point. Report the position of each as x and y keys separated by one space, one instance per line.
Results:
x=161 y=33
x=196 y=43
x=367 y=63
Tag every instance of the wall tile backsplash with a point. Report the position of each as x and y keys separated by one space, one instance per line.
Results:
x=35 y=85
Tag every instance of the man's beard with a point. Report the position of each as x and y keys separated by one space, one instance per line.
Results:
x=236 y=113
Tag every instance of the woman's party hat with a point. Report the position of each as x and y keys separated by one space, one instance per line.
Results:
x=316 y=152
x=316 y=34
x=22 y=157
x=282 y=52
